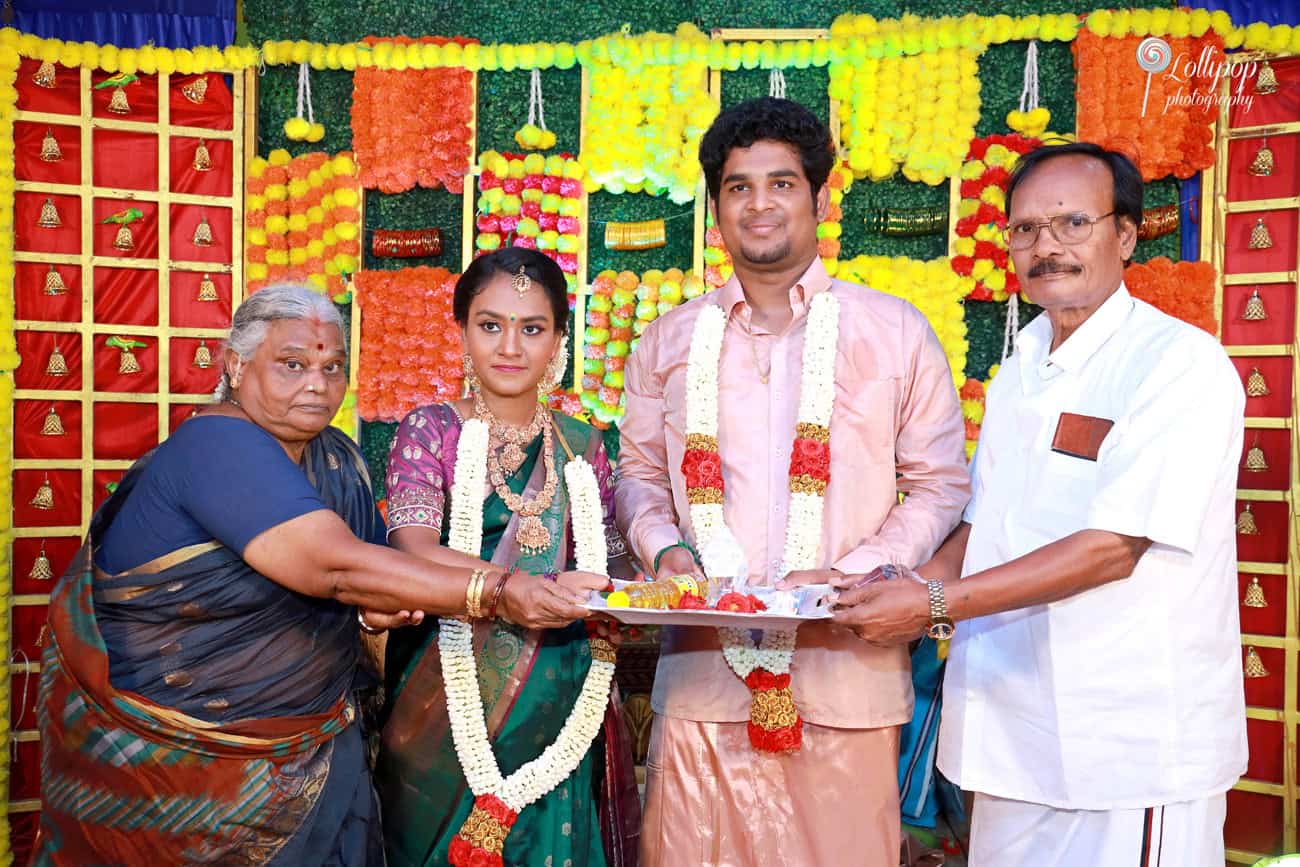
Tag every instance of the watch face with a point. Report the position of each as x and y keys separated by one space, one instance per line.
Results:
x=941 y=629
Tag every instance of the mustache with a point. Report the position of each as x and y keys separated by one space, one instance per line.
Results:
x=1051 y=266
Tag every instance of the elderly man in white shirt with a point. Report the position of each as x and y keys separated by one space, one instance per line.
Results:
x=1093 y=697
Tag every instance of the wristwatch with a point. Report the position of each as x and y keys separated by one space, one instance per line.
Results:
x=941 y=626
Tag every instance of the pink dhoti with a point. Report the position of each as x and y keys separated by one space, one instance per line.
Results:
x=712 y=800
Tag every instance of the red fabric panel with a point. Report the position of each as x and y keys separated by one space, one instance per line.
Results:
x=25 y=781
x=1254 y=822
x=28 y=165
x=30 y=300
x=34 y=347
x=63 y=98
x=58 y=549
x=1266 y=739
x=1285 y=179
x=1263 y=621
x=101 y=480
x=31 y=237
x=1276 y=445
x=144 y=231
x=24 y=687
x=124 y=431
x=29 y=442
x=108 y=358
x=28 y=621
x=1279 y=303
x=188 y=379
x=187 y=311
x=126 y=296
x=181 y=413
x=66 y=485
x=1267 y=691
x=1274 y=107
x=1276 y=371
x=1238 y=258
x=141 y=95
x=1269 y=546
x=214 y=182
x=217 y=111
x=125 y=160
x=22 y=834
x=185 y=219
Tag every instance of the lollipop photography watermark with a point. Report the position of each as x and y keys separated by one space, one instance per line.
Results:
x=1196 y=80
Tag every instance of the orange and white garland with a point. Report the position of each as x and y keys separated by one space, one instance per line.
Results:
x=499 y=800
x=774 y=724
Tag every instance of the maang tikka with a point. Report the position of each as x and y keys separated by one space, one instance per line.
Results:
x=521 y=282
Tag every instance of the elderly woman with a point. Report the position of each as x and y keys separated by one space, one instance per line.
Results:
x=195 y=696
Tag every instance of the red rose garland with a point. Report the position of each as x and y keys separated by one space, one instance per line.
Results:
x=481 y=839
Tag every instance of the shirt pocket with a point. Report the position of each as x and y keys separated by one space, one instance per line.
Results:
x=1062 y=492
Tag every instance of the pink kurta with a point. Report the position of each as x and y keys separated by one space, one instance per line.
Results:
x=896 y=428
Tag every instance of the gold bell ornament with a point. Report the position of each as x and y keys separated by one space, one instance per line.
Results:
x=1246 y=522
x=202 y=356
x=1255 y=460
x=202 y=159
x=124 y=239
x=1265 y=79
x=118 y=103
x=1255 y=595
x=44 y=497
x=53 y=426
x=1254 y=665
x=1261 y=166
x=45 y=75
x=50 y=152
x=1260 y=239
x=1254 y=311
x=49 y=218
x=197 y=90
x=126 y=362
x=57 y=364
x=1255 y=384
x=41 y=570
x=203 y=233
x=207 y=289
x=54 y=284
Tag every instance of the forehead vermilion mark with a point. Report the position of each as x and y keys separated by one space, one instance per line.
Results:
x=320 y=347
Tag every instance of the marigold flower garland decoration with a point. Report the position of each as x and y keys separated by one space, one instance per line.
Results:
x=644 y=120
x=302 y=220
x=1184 y=290
x=499 y=800
x=534 y=202
x=983 y=261
x=1174 y=137
x=619 y=308
x=410 y=352
x=774 y=725
x=412 y=129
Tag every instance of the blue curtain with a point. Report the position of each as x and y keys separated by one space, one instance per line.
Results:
x=129 y=23
x=1189 y=218
x=1250 y=11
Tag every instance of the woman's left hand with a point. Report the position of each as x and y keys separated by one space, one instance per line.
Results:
x=381 y=620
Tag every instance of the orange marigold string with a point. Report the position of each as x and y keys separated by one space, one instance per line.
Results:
x=1184 y=290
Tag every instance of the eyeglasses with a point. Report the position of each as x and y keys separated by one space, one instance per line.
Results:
x=1065 y=228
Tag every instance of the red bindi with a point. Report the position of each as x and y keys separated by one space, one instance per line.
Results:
x=320 y=347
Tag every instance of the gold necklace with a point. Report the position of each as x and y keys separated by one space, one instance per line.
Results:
x=532 y=535
x=753 y=350
x=514 y=440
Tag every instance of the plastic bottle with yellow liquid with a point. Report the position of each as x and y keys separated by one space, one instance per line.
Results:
x=662 y=593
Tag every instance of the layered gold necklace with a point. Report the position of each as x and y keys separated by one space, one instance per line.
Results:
x=532 y=535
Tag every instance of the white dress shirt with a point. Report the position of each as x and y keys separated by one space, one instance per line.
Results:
x=1129 y=694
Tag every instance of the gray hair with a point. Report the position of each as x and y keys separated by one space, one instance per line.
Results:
x=259 y=310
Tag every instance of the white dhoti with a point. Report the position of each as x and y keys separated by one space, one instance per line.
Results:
x=1006 y=833
x=712 y=800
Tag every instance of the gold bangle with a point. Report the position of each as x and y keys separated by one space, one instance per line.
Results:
x=474 y=594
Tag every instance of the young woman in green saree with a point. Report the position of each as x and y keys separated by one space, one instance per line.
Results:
x=512 y=306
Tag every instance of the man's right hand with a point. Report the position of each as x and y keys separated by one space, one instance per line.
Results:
x=678 y=561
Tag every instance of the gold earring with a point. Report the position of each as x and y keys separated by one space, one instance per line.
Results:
x=471 y=378
x=554 y=371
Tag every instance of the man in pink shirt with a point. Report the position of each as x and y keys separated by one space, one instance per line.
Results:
x=895 y=427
